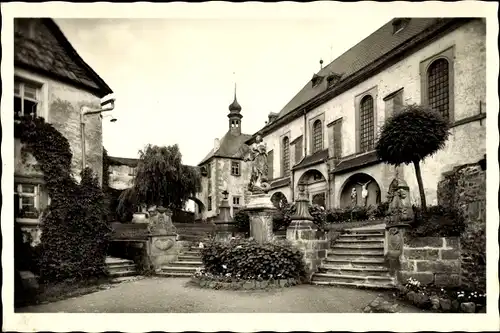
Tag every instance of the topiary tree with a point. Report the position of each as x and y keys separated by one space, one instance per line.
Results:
x=410 y=136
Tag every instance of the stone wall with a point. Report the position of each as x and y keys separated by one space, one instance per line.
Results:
x=431 y=260
x=464 y=188
x=312 y=244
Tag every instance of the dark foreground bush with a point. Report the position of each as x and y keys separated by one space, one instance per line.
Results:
x=246 y=259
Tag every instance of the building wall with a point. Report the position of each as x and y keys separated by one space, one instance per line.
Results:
x=235 y=185
x=467 y=143
x=120 y=177
x=61 y=104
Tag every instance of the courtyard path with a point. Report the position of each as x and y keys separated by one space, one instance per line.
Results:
x=175 y=295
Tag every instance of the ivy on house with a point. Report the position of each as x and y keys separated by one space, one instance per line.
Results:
x=74 y=229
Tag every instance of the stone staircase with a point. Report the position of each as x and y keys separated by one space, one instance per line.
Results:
x=356 y=259
x=187 y=263
x=120 y=269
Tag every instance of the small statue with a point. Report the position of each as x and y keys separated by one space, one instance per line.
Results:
x=161 y=223
x=258 y=156
x=400 y=209
x=354 y=197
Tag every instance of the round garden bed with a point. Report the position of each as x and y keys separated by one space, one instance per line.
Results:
x=217 y=283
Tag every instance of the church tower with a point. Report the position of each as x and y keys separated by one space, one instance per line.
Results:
x=235 y=116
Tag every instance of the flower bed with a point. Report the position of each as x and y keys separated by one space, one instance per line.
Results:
x=210 y=281
x=442 y=300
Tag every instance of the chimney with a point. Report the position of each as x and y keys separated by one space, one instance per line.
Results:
x=216 y=144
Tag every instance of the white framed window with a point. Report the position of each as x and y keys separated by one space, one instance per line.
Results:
x=26 y=98
x=236 y=201
x=27 y=198
x=235 y=168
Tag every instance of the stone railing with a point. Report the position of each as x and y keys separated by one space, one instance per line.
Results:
x=431 y=260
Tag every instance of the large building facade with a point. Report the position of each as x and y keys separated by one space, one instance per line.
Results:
x=52 y=81
x=325 y=136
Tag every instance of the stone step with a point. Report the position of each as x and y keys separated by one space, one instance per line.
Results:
x=355 y=262
x=379 y=245
x=356 y=285
x=123 y=279
x=349 y=240
x=355 y=279
x=121 y=267
x=122 y=273
x=191 y=253
x=356 y=252
x=117 y=261
x=373 y=237
x=182 y=257
x=361 y=271
x=189 y=263
x=174 y=274
x=175 y=267
x=370 y=231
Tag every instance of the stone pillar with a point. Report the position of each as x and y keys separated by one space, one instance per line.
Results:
x=162 y=239
x=303 y=234
x=400 y=215
x=224 y=224
x=261 y=210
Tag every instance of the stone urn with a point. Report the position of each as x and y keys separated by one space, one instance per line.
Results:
x=140 y=217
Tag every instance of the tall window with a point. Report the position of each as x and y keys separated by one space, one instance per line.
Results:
x=286 y=156
x=209 y=204
x=439 y=87
x=26 y=99
x=235 y=168
x=27 y=203
x=317 y=136
x=366 y=131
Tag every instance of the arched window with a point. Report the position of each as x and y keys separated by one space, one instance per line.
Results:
x=286 y=156
x=438 y=86
x=317 y=136
x=366 y=130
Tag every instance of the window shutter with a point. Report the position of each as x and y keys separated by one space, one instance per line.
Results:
x=270 y=163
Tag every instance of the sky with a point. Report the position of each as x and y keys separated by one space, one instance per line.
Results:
x=174 y=79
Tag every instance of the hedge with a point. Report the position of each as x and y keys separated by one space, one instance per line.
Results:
x=248 y=260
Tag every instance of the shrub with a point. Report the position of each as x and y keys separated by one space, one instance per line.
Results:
x=248 y=260
x=437 y=221
x=242 y=220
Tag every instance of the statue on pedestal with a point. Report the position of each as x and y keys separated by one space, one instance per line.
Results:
x=400 y=209
x=258 y=156
x=161 y=223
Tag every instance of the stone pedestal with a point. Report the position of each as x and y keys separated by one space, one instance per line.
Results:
x=224 y=224
x=303 y=234
x=261 y=210
x=162 y=249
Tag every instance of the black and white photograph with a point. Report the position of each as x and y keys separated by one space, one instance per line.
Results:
x=260 y=161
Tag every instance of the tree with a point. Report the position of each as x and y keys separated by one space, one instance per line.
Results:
x=162 y=179
x=410 y=136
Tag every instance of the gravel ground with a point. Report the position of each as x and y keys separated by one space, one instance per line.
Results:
x=157 y=295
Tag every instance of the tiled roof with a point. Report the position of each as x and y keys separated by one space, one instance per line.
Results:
x=131 y=162
x=317 y=157
x=356 y=162
x=49 y=51
x=359 y=56
x=280 y=182
x=231 y=146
